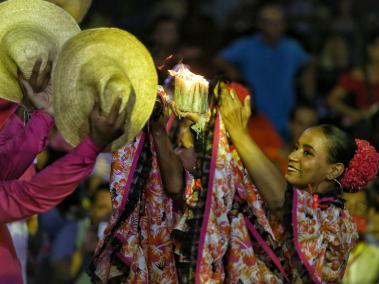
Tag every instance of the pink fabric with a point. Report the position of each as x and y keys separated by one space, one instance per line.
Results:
x=170 y=122
x=323 y=238
x=145 y=235
x=132 y=170
x=227 y=253
x=21 y=199
x=57 y=142
x=298 y=248
x=7 y=108
x=208 y=202
x=19 y=145
x=265 y=247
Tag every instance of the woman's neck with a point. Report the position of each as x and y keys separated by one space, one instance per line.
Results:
x=322 y=188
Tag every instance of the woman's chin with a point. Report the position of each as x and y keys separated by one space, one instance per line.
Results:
x=288 y=176
x=293 y=181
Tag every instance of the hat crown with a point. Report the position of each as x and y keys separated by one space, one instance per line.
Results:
x=105 y=77
x=106 y=63
x=29 y=30
x=25 y=44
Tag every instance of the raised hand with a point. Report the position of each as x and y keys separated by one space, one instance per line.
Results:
x=106 y=128
x=37 y=90
x=235 y=115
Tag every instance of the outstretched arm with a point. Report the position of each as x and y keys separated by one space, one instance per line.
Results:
x=20 y=199
x=266 y=176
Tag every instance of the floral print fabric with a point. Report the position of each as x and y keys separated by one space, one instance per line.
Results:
x=314 y=244
x=144 y=243
x=323 y=238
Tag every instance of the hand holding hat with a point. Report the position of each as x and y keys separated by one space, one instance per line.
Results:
x=104 y=128
x=37 y=91
x=105 y=64
x=29 y=30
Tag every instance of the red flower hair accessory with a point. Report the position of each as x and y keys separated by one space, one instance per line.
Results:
x=362 y=168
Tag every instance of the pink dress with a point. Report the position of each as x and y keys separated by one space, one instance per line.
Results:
x=21 y=199
x=19 y=145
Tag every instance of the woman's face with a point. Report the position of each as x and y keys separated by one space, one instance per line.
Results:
x=308 y=162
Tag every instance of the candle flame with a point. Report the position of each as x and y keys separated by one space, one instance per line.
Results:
x=184 y=73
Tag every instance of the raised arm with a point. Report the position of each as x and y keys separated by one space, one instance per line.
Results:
x=18 y=145
x=171 y=169
x=266 y=176
x=20 y=199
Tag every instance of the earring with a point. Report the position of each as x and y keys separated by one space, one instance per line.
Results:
x=339 y=186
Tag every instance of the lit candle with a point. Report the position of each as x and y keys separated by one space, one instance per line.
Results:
x=191 y=90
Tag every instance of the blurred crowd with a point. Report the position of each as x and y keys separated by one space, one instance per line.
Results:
x=305 y=62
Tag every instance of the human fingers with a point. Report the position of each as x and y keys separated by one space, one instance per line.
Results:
x=247 y=105
x=34 y=76
x=115 y=109
x=121 y=118
x=45 y=76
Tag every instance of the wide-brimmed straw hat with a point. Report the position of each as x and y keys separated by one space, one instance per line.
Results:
x=29 y=29
x=77 y=8
x=107 y=63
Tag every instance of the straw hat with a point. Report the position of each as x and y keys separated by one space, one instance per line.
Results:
x=77 y=8
x=108 y=63
x=29 y=29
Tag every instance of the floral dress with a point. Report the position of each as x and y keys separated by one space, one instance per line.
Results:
x=225 y=234
x=136 y=247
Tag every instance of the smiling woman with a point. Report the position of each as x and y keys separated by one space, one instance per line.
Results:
x=313 y=234
x=308 y=162
x=319 y=158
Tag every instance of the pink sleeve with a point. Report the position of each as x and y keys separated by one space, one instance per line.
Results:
x=20 y=199
x=12 y=126
x=20 y=145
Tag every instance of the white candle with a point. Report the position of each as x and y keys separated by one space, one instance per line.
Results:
x=191 y=90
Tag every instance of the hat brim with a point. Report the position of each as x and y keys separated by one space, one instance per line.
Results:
x=29 y=29
x=107 y=63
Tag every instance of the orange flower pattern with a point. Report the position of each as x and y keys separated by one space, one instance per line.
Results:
x=320 y=239
x=323 y=238
x=227 y=238
x=145 y=234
